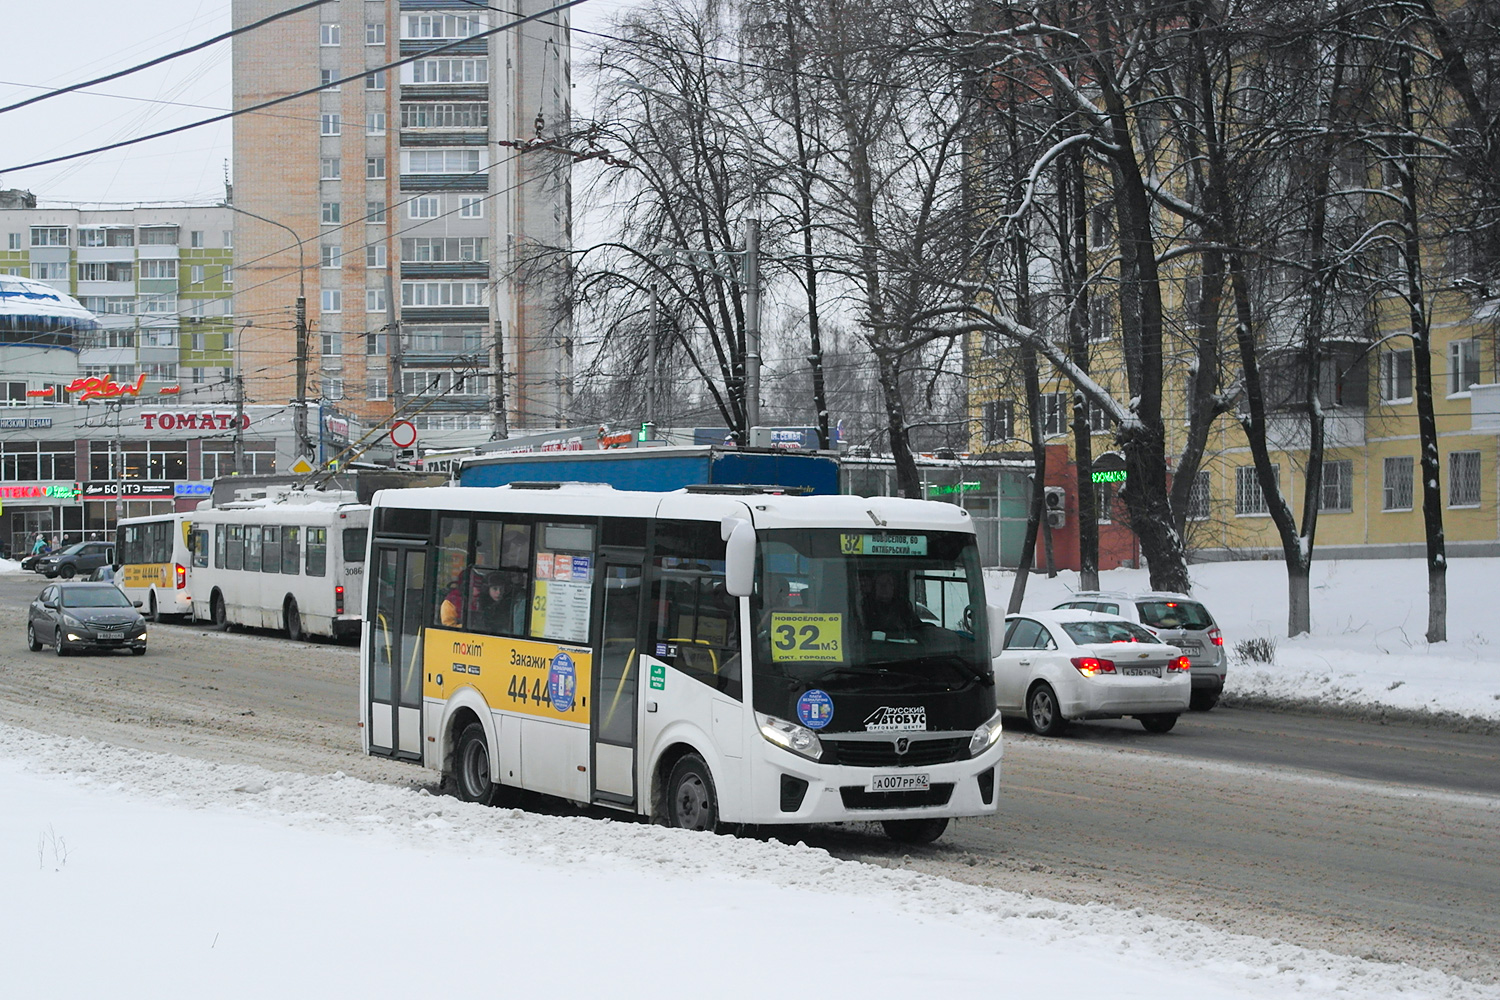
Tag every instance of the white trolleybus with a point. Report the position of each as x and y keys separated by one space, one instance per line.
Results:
x=153 y=557
x=294 y=561
x=704 y=657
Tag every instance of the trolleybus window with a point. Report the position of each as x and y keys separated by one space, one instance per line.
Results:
x=234 y=548
x=199 y=547
x=695 y=626
x=270 y=555
x=354 y=544
x=317 y=551
x=291 y=550
x=252 y=548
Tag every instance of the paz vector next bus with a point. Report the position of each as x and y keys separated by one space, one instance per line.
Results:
x=701 y=657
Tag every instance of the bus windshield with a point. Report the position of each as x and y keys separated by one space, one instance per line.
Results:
x=867 y=611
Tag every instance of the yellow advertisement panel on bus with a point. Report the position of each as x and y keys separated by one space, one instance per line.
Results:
x=543 y=679
x=147 y=574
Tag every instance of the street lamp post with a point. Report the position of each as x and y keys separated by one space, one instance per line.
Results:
x=300 y=403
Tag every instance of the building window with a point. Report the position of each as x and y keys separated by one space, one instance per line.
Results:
x=331 y=168
x=1054 y=415
x=1248 y=498
x=326 y=78
x=333 y=387
x=443 y=161
x=159 y=236
x=1337 y=492
x=228 y=273
x=443 y=340
x=198 y=273
x=425 y=207
x=375 y=255
x=441 y=249
x=375 y=33
x=332 y=124
x=445 y=115
x=999 y=416
x=1463 y=365
x=375 y=123
x=228 y=238
x=375 y=387
x=375 y=343
x=444 y=293
x=374 y=300
x=1200 y=498
x=375 y=211
x=332 y=213
x=1395 y=377
x=1102 y=502
x=333 y=300
x=333 y=255
x=160 y=372
x=160 y=269
x=13 y=241
x=1463 y=479
x=1101 y=319
x=195 y=239
x=443 y=382
x=328 y=34
x=447 y=71
x=1098 y=418
x=158 y=305
x=332 y=345
x=376 y=80
x=49 y=236
x=1101 y=225
x=86 y=238
x=107 y=271
x=440 y=26
x=1398 y=483
x=471 y=207
x=374 y=168
x=56 y=270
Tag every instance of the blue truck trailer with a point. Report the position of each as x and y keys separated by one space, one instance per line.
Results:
x=660 y=469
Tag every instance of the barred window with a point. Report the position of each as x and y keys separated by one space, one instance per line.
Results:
x=1200 y=498
x=1463 y=479
x=1398 y=483
x=1337 y=489
x=1248 y=497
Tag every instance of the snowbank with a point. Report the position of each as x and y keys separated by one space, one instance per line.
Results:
x=1369 y=618
x=179 y=877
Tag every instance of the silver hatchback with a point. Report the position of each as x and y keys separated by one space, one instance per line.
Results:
x=1176 y=619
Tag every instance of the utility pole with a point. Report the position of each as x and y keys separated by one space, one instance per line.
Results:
x=302 y=439
x=651 y=362
x=239 y=424
x=393 y=343
x=752 y=326
x=501 y=429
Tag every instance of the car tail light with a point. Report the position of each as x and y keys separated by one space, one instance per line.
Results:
x=338 y=599
x=1181 y=663
x=1215 y=636
x=1092 y=666
x=181 y=575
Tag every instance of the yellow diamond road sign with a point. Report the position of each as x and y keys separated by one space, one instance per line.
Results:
x=302 y=466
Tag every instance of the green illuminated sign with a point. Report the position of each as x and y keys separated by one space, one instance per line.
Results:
x=1109 y=477
x=947 y=490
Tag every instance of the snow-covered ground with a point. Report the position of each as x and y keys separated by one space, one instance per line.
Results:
x=1367 y=647
x=127 y=875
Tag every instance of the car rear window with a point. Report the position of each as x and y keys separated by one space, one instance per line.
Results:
x=1085 y=632
x=1175 y=614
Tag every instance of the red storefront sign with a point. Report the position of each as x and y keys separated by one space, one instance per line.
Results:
x=170 y=420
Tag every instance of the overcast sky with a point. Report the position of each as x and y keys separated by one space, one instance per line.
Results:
x=47 y=45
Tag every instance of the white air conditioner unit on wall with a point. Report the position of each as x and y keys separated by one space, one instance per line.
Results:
x=1055 y=506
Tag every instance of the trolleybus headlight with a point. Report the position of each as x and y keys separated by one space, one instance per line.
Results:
x=985 y=736
x=790 y=736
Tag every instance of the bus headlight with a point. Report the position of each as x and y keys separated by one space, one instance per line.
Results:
x=790 y=736
x=985 y=736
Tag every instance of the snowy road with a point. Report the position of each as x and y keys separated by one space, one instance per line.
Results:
x=1250 y=822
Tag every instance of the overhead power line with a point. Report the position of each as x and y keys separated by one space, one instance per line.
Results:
x=425 y=53
x=166 y=58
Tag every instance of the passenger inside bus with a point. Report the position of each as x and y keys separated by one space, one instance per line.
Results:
x=884 y=607
x=502 y=604
x=452 y=611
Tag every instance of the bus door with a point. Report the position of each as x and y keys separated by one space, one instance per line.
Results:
x=395 y=637
x=617 y=676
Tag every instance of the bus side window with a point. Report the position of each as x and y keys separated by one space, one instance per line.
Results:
x=291 y=550
x=200 y=547
x=498 y=598
x=235 y=547
x=219 y=534
x=317 y=551
x=252 y=548
x=452 y=582
x=695 y=625
x=270 y=555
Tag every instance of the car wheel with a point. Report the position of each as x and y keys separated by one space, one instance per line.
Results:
x=292 y=618
x=1043 y=712
x=472 y=777
x=138 y=651
x=1161 y=723
x=67 y=571
x=57 y=643
x=32 y=642
x=1203 y=701
x=691 y=801
x=915 y=831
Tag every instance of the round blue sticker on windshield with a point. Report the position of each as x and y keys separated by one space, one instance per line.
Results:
x=561 y=682
x=815 y=709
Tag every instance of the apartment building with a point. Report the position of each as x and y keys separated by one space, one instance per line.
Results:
x=158 y=279
x=383 y=200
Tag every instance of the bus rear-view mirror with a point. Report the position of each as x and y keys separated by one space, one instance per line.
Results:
x=997 y=630
x=739 y=556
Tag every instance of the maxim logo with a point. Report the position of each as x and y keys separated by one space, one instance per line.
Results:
x=896 y=720
x=468 y=649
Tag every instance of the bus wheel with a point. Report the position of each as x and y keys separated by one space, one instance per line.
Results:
x=217 y=611
x=915 y=831
x=473 y=766
x=691 y=803
x=153 y=614
x=293 y=619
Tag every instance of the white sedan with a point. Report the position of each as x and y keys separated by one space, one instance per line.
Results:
x=1064 y=665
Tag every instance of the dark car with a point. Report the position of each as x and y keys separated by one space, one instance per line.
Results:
x=79 y=616
x=78 y=558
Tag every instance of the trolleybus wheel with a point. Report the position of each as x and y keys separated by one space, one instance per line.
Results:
x=915 y=831
x=691 y=802
x=218 y=612
x=293 y=620
x=472 y=777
